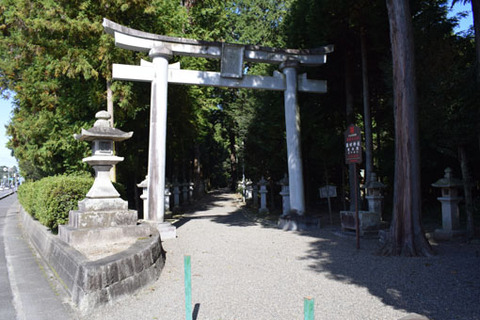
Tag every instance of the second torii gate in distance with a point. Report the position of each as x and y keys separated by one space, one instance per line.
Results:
x=160 y=73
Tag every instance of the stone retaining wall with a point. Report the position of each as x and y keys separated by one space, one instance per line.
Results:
x=91 y=283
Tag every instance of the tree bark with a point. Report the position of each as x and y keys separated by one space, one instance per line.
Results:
x=476 y=28
x=406 y=236
x=197 y=173
x=467 y=189
x=233 y=161
x=367 y=118
x=350 y=120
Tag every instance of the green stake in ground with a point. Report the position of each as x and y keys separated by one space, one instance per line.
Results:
x=188 y=288
x=308 y=304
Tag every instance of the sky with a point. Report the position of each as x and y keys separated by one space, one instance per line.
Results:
x=6 y=106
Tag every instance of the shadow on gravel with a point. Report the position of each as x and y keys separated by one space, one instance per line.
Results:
x=446 y=286
x=215 y=199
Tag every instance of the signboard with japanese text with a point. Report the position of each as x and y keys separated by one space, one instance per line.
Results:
x=353 y=145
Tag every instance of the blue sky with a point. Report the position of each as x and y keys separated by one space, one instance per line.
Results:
x=6 y=106
x=5 y=114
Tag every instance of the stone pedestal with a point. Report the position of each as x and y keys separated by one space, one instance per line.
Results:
x=368 y=221
x=450 y=219
x=375 y=204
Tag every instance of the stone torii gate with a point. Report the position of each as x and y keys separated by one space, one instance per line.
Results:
x=160 y=73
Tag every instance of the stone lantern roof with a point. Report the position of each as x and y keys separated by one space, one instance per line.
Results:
x=448 y=181
x=102 y=130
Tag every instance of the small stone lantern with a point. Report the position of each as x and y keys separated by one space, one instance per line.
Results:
x=285 y=193
x=449 y=199
x=102 y=136
x=374 y=194
x=144 y=196
x=263 y=195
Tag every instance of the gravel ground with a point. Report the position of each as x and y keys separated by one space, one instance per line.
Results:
x=243 y=269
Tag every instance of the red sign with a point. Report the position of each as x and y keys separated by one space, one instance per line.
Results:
x=353 y=145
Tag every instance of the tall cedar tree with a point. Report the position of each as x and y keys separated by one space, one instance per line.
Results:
x=406 y=236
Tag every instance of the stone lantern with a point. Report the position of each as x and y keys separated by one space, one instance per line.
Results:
x=449 y=199
x=144 y=196
x=285 y=193
x=102 y=136
x=263 y=195
x=102 y=216
x=374 y=194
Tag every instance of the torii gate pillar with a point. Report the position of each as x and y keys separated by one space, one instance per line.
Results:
x=158 y=134
x=292 y=124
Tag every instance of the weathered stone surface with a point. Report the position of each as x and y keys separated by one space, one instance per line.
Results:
x=103 y=204
x=92 y=283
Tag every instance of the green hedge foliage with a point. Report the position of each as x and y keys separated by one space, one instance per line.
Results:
x=50 y=199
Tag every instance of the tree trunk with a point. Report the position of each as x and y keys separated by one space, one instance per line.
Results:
x=476 y=27
x=233 y=162
x=367 y=118
x=467 y=189
x=350 y=119
x=406 y=236
x=197 y=173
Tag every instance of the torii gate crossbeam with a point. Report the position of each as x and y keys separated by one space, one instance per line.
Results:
x=160 y=73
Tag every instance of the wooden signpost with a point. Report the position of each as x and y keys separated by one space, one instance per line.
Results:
x=353 y=155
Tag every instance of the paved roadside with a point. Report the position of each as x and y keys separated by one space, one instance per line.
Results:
x=33 y=292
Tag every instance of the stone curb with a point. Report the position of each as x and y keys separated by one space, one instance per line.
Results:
x=93 y=283
x=6 y=195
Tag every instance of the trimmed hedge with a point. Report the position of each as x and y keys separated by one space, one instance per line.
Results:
x=50 y=199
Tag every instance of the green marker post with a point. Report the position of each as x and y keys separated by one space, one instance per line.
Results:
x=188 y=288
x=308 y=304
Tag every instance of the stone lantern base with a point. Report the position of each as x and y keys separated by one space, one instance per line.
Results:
x=101 y=221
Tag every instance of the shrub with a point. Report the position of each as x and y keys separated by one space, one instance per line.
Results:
x=50 y=199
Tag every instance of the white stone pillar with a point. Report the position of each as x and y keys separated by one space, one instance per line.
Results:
x=292 y=124
x=158 y=134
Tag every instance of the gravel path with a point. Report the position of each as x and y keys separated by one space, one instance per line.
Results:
x=242 y=269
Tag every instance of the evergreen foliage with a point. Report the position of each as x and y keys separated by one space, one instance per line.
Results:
x=49 y=200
